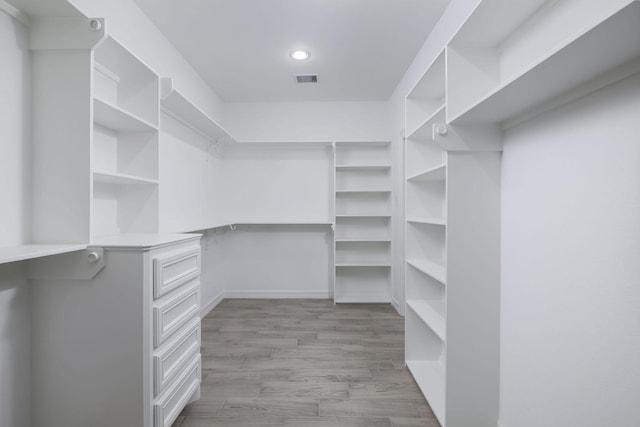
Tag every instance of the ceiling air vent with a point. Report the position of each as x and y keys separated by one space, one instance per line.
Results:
x=307 y=78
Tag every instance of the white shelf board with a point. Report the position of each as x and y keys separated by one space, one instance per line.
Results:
x=221 y=224
x=362 y=167
x=362 y=299
x=363 y=191
x=423 y=131
x=610 y=44
x=430 y=377
x=121 y=179
x=31 y=251
x=431 y=221
x=177 y=105
x=363 y=216
x=430 y=268
x=364 y=264
x=113 y=117
x=363 y=240
x=430 y=316
x=436 y=173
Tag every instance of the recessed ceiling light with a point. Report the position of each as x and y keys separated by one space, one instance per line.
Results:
x=299 y=55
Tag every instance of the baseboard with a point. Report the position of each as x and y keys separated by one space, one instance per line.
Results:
x=207 y=308
x=278 y=294
x=399 y=307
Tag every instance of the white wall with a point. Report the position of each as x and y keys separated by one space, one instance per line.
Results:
x=570 y=350
x=307 y=121
x=15 y=336
x=451 y=19
x=277 y=261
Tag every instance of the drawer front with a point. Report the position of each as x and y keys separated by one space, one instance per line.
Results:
x=169 y=405
x=174 y=270
x=174 y=311
x=172 y=357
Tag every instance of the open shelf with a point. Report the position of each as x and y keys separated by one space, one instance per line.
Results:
x=114 y=117
x=432 y=268
x=362 y=167
x=122 y=80
x=432 y=221
x=362 y=284
x=427 y=96
x=174 y=102
x=430 y=377
x=364 y=264
x=121 y=179
x=436 y=173
x=424 y=131
x=32 y=251
x=504 y=72
x=430 y=316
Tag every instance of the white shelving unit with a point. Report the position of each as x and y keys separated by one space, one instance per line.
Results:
x=508 y=62
x=125 y=143
x=362 y=231
x=509 y=59
x=451 y=237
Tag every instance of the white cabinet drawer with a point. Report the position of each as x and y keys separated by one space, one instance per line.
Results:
x=171 y=358
x=174 y=270
x=174 y=311
x=169 y=405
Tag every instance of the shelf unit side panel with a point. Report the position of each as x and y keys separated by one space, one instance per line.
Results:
x=473 y=288
x=61 y=114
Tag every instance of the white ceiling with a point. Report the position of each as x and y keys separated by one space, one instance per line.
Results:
x=359 y=48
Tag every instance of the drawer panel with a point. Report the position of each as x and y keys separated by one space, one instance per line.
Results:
x=169 y=405
x=171 y=358
x=174 y=270
x=174 y=311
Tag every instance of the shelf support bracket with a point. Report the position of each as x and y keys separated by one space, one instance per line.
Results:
x=80 y=265
x=468 y=137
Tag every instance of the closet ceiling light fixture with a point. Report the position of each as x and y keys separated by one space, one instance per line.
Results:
x=299 y=55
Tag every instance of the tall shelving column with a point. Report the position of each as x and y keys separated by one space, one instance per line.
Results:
x=362 y=235
x=126 y=105
x=425 y=238
x=452 y=257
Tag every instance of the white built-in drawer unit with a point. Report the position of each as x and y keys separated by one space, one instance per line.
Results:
x=172 y=271
x=174 y=310
x=139 y=354
x=174 y=355
x=169 y=405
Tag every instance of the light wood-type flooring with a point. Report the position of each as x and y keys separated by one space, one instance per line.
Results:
x=305 y=363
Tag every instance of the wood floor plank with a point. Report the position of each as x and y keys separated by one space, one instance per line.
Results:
x=264 y=406
x=312 y=392
x=306 y=363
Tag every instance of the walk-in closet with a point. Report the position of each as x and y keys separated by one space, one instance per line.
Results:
x=319 y=213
